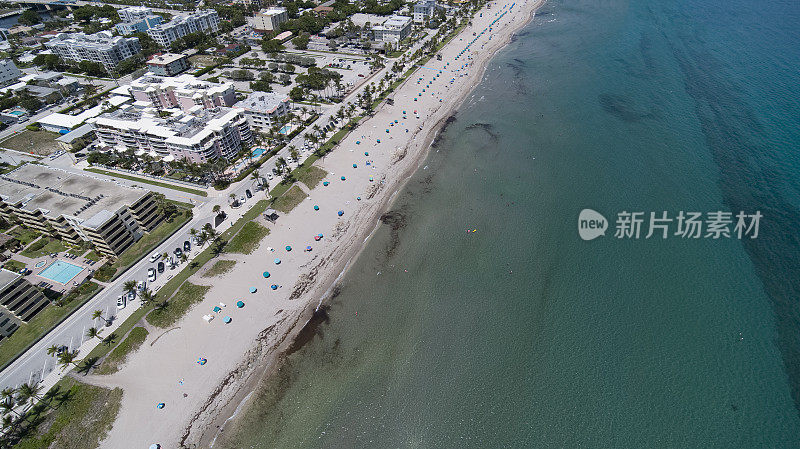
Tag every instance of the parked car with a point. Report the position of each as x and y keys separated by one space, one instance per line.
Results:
x=131 y=295
x=187 y=246
x=141 y=286
x=121 y=303
x=160 y=267
x=178 y=252
x=151 y=274
x=155 y=257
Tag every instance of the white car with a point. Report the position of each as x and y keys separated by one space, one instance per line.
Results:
x=121 y=303
x=155 y=257
x=151 y=274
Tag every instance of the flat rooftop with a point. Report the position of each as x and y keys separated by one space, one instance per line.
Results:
x=57 y=192
x=165 y=58
x=262 y=101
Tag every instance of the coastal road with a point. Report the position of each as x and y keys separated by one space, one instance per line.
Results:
x=35 y=364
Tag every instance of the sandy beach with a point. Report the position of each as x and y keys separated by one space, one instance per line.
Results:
x=364 y=172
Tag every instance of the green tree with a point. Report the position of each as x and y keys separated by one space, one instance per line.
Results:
x=301 y=41
x=272 y=46
x=29 y=17
x=296 y=94
x=129 y=286
x=92 y=332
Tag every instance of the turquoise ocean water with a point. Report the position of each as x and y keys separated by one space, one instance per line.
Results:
x=523 y=335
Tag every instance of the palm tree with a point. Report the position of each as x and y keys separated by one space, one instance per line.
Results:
x=130 y=286
x=193 y=232
x=7 y=396
x=29 y=393
x=67 y=358
x=52 y=350
x=256 y=176
x=110 y=339
x=147 y=296
x=184 y=258
x=99 y=314
x=232 y=197
x=8 y=424
x=92 y=332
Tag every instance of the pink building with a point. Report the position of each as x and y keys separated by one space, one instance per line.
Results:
x=184 y=92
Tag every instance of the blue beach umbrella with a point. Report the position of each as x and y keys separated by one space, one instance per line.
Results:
x=325 y=183
x=253 y=289
x=288 y=248
x=355 y=166
x=240 y=304
x=341 y=212
x=316 y=207
x=274 y=286
x=343 y=178
x=266 y=274
x=277 y=261
x=227 y=319
x=366 y=153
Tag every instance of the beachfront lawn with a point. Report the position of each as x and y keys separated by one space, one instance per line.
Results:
x=289 y=200
x=24 y=235
x=44 y=245
x=119 y=355
x=78 y=417
x=248 y=239
x=149 y=181
x=186 y=297
x=40 y=143
x=142 y=247
x=42 y=322
x=173 y=284
x=219 y=268
x=13 y=265
x=310 y=175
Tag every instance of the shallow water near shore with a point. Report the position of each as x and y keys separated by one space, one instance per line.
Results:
x=520 y=334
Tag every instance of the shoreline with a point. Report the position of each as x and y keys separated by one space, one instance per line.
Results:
x=242 y=355
x=239 y=403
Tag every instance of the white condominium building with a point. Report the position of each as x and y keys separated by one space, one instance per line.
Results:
x=100 y=47
x=262 y=108
x=269 y=19
x=199 y=136
x=394 y=29
x=165 y=34
x=134 y=13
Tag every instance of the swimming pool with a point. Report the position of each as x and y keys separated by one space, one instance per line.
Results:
x=258 y=152
x=61 y=272
x=17 y=113
x=286 y=129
